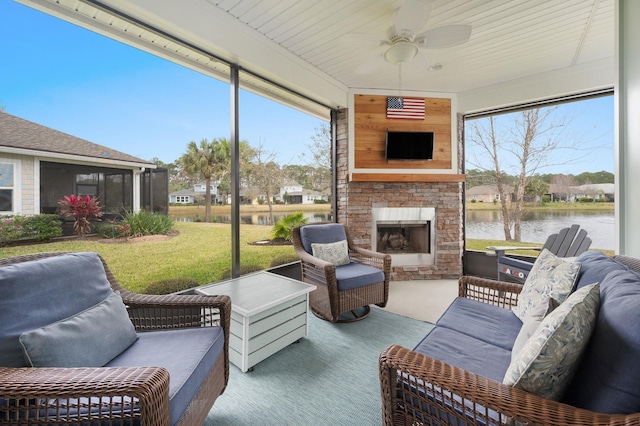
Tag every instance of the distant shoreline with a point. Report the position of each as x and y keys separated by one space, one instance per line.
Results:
x=547 y=206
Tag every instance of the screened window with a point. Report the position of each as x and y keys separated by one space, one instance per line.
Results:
x=6 y=187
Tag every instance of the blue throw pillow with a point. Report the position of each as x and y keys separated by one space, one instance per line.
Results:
x=91 y=338
x=607 y=378
x=595 y=266
x=40 y=292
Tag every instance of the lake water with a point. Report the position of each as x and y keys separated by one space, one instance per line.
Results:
x=487 y=224
x=537 y=226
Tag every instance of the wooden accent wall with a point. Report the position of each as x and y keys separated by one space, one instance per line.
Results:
x=371 y=125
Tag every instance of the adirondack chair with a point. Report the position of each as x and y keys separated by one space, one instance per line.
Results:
x=569 y=242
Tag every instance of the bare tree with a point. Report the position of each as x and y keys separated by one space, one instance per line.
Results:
x=320 y=156
x=523 y=143
x=265 y=174
x=484 y=136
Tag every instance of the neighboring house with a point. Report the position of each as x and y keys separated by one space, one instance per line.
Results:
x=195 y=194
x=40 y=165
x=594 y=191
x=487 y=193
x=294 y=193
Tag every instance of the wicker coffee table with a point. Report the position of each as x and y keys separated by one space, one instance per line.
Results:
x=268 y=313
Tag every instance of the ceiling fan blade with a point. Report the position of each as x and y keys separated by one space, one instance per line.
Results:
x=361 y=40
x=412 y=16
x=371 y=65
x=447 y=36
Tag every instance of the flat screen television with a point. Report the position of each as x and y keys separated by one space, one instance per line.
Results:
x=409 y=146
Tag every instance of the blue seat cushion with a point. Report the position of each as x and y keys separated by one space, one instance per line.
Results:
x=466 y=352
x=40 y=292
x=322 y=234
x=608 y=376
x=354 y=275
x=491 y=324
x=596 y=266
x=187 y=354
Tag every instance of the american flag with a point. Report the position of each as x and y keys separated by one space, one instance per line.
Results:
x=408 y=108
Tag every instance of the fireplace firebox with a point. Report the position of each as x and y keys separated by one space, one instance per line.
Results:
x=407 y=234
x=394 y=237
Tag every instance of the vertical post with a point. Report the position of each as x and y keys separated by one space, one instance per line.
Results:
x=334 y=164
x=235 y=172
x=627 y=110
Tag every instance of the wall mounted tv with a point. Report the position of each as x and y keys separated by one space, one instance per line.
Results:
x=409 y=146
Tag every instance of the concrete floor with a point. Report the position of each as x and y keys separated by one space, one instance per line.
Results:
x=424 y=300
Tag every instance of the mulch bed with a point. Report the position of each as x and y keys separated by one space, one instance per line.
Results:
x=274 y=242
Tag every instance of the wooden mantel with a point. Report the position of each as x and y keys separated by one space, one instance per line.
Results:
x=406 y=177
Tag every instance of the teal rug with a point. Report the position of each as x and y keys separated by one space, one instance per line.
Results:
x=329 y=378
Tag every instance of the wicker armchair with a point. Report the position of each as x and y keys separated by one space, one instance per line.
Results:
x=118 y=395
x=332 y=299
x=420 y=390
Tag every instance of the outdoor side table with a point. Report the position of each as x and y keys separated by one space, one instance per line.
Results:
x=268 y=313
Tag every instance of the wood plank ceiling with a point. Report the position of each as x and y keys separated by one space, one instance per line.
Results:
x=510 y=38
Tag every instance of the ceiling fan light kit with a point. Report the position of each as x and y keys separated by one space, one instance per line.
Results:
x=400 y=52
x=406 y=38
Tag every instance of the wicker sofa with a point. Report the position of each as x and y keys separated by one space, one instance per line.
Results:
x=76 y=348
x=455 y=374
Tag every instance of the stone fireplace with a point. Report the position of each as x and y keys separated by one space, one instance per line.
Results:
x=371 y=209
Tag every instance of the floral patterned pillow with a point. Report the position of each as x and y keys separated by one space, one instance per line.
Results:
x=336 y=253
x=547 y=362
x=550 y=276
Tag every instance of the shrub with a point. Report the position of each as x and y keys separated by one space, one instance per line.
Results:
x=43 y=227
x=284 y=259
x=244 y=269
x=282 y=229
x=170 y=285
x=83 y=210
x=114 y=230
x=148 y=223
x=39 y=227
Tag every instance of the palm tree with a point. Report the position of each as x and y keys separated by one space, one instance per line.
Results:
x=207 y=160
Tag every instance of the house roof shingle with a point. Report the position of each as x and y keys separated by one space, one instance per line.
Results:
x=19 y=133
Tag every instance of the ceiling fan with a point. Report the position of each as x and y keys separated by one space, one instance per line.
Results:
x=405 y=39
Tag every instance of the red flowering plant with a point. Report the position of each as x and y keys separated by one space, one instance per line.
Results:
x=82 y=209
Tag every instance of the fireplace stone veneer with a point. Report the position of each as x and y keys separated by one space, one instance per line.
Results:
x=445 y=260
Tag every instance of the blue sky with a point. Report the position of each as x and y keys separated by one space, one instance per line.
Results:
x=70 y=79
x=73 y=80
x=587 y=138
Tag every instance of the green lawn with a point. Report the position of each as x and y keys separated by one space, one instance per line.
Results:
x=201 y=251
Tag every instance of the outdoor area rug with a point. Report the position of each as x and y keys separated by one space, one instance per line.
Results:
x=329 y=378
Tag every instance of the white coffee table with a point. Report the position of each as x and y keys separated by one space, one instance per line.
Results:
x=268 y=313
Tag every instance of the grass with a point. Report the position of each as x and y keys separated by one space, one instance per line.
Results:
x=201 y=251
x=481 y=245
x=547 y=206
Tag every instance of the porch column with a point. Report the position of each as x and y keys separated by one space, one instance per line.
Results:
x=136 y=192
x=627 y=111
